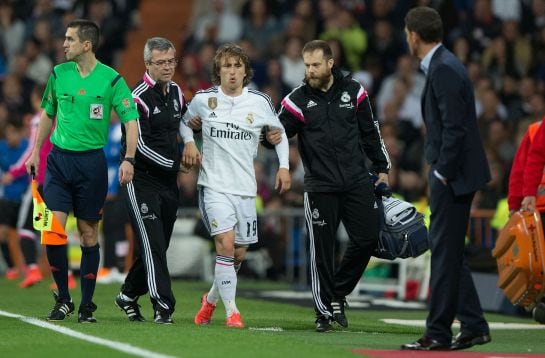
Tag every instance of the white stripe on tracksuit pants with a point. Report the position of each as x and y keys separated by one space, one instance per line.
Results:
x=152 y=207
x=323 y=214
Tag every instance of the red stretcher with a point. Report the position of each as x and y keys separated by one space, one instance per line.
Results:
x=520 y=256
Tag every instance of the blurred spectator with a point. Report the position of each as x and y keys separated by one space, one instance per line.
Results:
x=39 y=65
x=348 y=31
x=112 y=38
x=482 y=26
x=12 y=95
x=274 y=82
x=191 y=72
x=220 y=25
x=407 y=70
x=293 y=68
x=385 y=43
x=12 y=30
x=259 y=27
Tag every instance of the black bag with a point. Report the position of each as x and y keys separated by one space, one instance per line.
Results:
x=406 y=238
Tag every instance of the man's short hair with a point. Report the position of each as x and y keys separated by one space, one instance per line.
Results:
x=227 y=51
x=315 y=45
x=87 y=31
x=426 y=22
x=156 y=43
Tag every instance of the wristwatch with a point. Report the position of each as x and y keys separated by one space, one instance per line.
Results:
x=130 y=160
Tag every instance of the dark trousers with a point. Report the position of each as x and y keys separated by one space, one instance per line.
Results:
x=113 y=229
x=152 y=206
x=358 y=211
x=453 y=292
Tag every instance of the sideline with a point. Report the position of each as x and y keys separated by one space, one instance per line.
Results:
x=119 y=346
x=492 y=325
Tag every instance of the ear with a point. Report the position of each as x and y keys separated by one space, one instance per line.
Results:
x=330 y=63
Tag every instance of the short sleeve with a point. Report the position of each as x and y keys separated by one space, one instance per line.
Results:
x=49 y=99
x=122 y=102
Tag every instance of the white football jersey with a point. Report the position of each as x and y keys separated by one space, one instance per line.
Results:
x=231 y=127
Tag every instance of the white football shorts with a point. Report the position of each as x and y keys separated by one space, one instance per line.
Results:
x=222 y=212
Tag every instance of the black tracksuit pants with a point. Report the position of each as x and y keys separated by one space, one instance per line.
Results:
x=358 y=211
x=152 y=204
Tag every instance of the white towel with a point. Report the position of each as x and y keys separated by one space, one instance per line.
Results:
x=397 y=212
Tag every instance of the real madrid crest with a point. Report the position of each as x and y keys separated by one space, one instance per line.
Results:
x=345 y=97
x=212 y=102
x=144 y=208
x=250 y=118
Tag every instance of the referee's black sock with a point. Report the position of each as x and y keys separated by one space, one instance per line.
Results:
x=90 y=258
x=57 y=255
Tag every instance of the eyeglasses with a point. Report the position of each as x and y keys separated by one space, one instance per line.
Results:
x=170 y=63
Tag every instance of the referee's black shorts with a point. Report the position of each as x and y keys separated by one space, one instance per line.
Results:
x=76 y=181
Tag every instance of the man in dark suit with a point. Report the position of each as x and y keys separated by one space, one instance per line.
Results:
x=458 y=168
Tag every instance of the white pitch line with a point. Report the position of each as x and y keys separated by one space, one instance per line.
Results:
x=492 y=325
x=119 y=346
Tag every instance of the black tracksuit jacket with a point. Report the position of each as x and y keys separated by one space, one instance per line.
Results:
x=336 y=132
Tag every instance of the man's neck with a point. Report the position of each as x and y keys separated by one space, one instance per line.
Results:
x=232 y=92
x=86 y=64
x=425 y=48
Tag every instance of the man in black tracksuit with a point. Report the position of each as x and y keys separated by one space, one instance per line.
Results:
x=336 y=131
x=152 y=196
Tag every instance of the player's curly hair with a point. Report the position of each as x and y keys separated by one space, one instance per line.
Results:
x=227 y=51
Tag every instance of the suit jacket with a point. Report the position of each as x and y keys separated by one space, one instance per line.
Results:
x=453 y=143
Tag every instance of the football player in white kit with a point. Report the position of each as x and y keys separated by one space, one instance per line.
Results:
x=232 y=118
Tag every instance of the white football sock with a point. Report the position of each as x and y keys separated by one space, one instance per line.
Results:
x=226 y=282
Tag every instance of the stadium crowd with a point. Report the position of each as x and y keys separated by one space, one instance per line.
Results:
x=502 y=43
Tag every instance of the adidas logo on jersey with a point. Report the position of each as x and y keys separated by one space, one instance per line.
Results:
x=156 y=110
x=311 y=103
x=212 y=115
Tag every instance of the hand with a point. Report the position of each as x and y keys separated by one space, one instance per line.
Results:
x=274 y=136
x=32 y=163
x=126 y=172
x=7 y=179
x=195 y=123
x=283 y=180
x=382 y=178
x=190 y=155
x=528 y=203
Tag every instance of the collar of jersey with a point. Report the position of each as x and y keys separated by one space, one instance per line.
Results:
x=231 y=98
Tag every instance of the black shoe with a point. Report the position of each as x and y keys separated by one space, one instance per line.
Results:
x=338 y=312
x=131 y=308
x=323 y=324
x=163 y=316
x=85 y=313
x=426 y=344
x=61 y=309
x=539 y=312
x=466 y=340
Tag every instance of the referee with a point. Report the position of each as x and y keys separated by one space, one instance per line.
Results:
x=79 y=97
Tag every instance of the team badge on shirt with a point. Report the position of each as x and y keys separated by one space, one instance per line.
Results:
x=126 y=102
x=345 y=97
x=250 y=118
x=96 y=111
x=212 y=102
x=214 y=223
